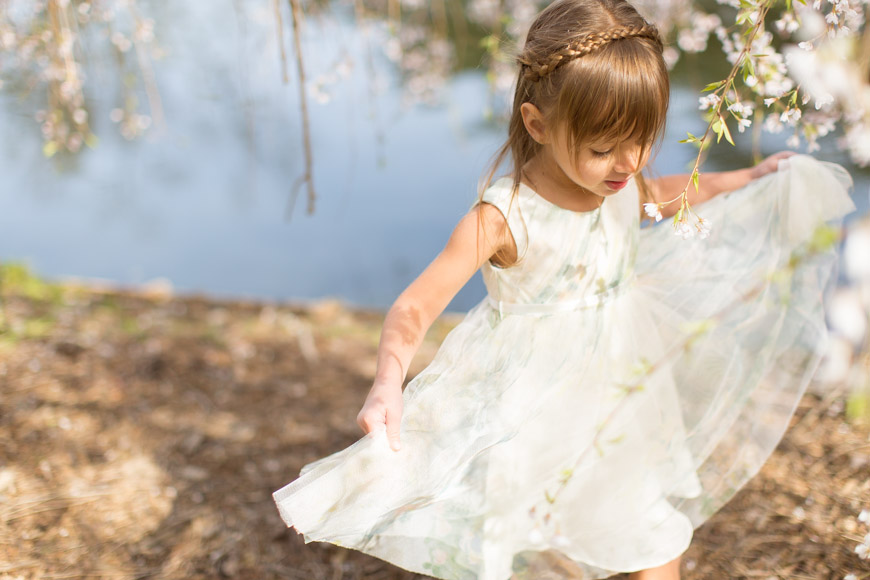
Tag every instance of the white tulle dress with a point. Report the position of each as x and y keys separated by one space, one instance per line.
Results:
x=615 y=388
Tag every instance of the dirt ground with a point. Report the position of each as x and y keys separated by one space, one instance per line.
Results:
x=142 y=435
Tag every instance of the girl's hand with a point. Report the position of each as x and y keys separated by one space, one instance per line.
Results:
x=769 y=165
x=383 y=406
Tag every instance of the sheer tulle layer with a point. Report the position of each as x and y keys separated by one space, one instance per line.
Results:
x=590 y=442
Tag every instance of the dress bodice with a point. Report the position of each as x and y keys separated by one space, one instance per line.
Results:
x=564 y=255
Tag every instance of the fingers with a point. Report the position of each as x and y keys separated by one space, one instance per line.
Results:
x=777 y=157
x=770 y=164
x=368 y=418
x=383 y=412
x=371 y=418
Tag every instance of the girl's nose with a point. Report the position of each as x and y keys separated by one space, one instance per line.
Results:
x=628 y=159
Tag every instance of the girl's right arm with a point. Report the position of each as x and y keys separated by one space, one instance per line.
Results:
x=420 y=304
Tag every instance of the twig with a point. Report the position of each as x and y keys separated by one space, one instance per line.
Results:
x=308 y=176
x=148 y=78
x=66 y=504
x=717 y=115
x=280 y=23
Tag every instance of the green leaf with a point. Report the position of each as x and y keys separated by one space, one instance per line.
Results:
x=747 y=65
x=695 y=178
x=726 y=131
x=713 y=86
x=489 y=43
x=690 y=139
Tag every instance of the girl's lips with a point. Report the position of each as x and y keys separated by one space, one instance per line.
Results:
x=616 y=184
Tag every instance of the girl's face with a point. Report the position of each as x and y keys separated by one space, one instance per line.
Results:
x=600 y=166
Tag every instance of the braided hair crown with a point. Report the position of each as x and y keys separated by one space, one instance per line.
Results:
x=535 y=69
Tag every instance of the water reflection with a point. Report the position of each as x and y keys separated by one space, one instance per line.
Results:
x=203 y=202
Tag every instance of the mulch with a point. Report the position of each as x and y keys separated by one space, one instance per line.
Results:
x=143 y=433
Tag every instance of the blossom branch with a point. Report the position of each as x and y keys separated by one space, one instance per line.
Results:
x=717 y=123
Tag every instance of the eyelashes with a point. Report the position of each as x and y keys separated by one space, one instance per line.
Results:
x=609 y=152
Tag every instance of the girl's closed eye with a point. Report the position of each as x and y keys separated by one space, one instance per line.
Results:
x=602 y=153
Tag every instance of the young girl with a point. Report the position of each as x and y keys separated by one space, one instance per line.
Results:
x=617 y=386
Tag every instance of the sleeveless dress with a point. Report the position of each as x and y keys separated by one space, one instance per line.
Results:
x=614 y=389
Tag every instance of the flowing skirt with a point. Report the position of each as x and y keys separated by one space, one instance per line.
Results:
x=585 y=443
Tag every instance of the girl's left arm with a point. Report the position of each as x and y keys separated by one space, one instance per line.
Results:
x=668 y=187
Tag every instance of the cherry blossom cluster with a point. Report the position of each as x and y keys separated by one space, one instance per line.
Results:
x=424 y=63
x=808 y=87
x=42 y=46
x=420 y=50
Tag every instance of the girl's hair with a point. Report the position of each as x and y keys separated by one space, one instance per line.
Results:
x=594 y=67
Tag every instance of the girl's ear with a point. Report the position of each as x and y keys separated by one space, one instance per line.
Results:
x=535 y=123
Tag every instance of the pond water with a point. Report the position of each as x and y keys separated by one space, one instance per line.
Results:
x=204 y=200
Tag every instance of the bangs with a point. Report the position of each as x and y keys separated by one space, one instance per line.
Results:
x=617 y=93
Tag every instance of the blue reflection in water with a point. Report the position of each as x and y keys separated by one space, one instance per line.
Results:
x=203 y=201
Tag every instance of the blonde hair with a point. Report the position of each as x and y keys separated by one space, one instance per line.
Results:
x=594 y=67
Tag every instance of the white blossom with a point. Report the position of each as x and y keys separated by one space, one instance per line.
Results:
x=742 y=109
x=772 y=124
x=787 y=23
x=653 y=210
x=838 y=360
x=857 y=141
x=856 y=249
x=846 y=315
x=684 y=230
x=791 y=116
x=708 y=102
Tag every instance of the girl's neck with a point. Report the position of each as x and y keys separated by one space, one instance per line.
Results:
x=547 y=179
